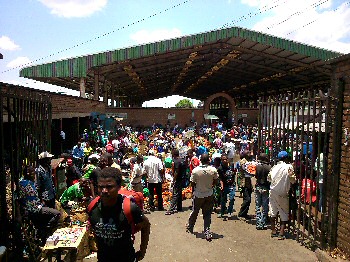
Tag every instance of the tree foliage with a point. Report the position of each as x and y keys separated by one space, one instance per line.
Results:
x=184 y=103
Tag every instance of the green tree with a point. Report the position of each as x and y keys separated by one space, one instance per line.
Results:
x=184 y=103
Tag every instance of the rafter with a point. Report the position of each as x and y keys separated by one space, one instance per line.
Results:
x=222 y=63
x=286 y=60
x=134 y=76
x=184 y=70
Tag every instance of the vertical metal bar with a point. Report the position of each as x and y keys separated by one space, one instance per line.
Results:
x=3 y=204
x=270 y=129
x=266 y=124
x=273 y=123
x=48 y=105
x=280 y=131
x=296 y=223
x=325 y=211
x=307 y=162
x=336 y=155
x=302 y=166
x=260 y=115
x=11 y=129
x=315 y=153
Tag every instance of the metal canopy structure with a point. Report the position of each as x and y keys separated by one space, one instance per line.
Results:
x=237 y=61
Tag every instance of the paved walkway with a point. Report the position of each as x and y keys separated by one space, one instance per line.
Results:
x=233 y=240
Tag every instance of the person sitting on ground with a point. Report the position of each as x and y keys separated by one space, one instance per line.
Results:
x=78 y=192
x=44 y=218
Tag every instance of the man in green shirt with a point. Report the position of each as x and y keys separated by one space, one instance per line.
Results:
x=77 y=192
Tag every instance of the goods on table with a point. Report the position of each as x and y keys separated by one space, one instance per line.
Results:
x=65 y=236
x=187 y=193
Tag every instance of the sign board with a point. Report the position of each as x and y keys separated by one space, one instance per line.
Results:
x=210 y=117
x=121 y=115
x=171 y=116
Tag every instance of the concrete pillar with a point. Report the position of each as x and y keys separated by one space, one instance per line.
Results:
x=112 y=96
x=105 y=93
x=82 y=87
x=96 y=86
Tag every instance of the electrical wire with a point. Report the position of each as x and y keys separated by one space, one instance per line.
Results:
x=297 y=14
x=313 y=21
x=251 y=15
x=100 y=36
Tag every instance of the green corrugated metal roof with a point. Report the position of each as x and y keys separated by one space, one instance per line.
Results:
x=78 y=66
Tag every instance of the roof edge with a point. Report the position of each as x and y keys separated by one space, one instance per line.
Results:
x=78 y=66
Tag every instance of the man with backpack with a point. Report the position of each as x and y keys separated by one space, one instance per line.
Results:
x=114 y=218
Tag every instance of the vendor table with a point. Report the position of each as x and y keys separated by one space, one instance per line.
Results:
x=72 y=239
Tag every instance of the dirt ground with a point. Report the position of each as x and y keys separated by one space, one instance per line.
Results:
x=233 y=240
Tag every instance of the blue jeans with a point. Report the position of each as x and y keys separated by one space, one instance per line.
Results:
x=230 y=191
x=261 y=205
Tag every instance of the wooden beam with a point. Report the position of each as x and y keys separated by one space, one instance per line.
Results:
x=221 y=64
x=285 y=60
x=96 y=86
x=82 y=87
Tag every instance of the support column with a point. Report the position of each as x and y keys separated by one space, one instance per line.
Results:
x=82 y=87
x=112 y=95
x=96 y=86
x=105 y=93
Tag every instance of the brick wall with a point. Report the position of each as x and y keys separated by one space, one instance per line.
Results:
x=148 y=116
x=342 y=71
x=65 y=106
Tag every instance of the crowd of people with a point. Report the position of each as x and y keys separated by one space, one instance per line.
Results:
x=214 y=162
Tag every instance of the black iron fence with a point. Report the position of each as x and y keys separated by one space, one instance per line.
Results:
x=303 y=124
x=25 y=131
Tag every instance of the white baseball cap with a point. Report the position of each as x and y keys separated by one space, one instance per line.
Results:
x=44 y=154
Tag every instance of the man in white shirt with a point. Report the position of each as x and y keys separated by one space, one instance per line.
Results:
x=136 y=174
x=115 y=143
x=154 y=169
x=281 y=176
x=203 y=179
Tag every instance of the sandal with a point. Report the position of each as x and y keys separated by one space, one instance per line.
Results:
x=274 y=235
x=281 y=237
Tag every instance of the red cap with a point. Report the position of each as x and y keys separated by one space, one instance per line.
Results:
x=69 y=161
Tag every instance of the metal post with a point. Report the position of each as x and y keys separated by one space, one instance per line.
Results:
x=336 y=155
x=3 y=204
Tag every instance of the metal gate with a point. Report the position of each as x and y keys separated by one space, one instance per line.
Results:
x=303 y=124
x=25 y=131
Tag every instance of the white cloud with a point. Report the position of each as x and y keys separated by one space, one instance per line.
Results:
x=19 y=62
x=74 y=8
x=7 y=44
x=147 y=36
x=169 y=101
x=328 y=29
x=43 y=86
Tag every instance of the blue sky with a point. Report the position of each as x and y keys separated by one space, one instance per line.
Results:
x=40 y=31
